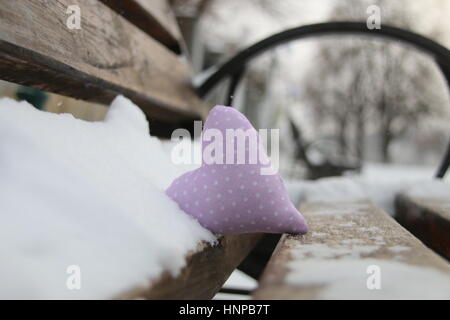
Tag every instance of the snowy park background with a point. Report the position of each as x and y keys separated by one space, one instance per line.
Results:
x=329 y=91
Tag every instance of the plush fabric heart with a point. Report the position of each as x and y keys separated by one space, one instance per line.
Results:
x=235 y=198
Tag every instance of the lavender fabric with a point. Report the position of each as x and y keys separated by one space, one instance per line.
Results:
x=235 y=198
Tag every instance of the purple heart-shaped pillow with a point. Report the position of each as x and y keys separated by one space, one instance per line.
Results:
x=229 y=193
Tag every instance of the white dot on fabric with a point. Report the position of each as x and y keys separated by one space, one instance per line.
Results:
x=230 y=191
x=275 y=213
x=208 y=199
x=257 y=195
x=227 y=179
x=196 y=203
x=216 y=183
x=242 y=187
x=234 y=204
x=205 y=187
x=219 y=196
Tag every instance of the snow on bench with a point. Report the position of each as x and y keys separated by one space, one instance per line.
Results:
x=354 y=250
x=425 y=211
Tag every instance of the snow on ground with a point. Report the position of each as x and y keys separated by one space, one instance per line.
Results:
x=89 y=194
x=379 y=183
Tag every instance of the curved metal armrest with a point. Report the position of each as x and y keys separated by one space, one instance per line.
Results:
x=236 y=65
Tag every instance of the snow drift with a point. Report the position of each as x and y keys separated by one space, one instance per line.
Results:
x=89 y=194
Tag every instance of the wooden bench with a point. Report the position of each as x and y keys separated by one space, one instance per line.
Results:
x=347 y=242
x=132 y=48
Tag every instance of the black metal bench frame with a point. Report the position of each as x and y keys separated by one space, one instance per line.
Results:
x=235 y=67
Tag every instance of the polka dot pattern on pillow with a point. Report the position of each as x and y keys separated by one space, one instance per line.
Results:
x=235 y=198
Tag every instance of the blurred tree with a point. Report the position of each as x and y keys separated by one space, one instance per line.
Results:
x=357 y=83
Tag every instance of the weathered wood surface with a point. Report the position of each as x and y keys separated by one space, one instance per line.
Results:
x=154 y=17
x=107 y=57
x=428 y=219
x=206 y=271
x=332 y=260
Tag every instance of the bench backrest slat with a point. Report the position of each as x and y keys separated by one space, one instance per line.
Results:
x=153 y=17
x=106 y=57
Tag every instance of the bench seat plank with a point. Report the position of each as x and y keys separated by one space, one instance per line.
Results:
x=107 y=57
x=346 y=240
x=205 y=272
x=428 y=219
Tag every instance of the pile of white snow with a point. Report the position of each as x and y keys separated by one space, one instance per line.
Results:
x=89 y=195
x=378 y=183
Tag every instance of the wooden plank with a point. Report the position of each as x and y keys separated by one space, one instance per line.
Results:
x=428 y=219
x=154 y=17
x=332 y=260
x=107 y=57
x=206 y=271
